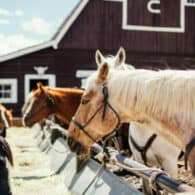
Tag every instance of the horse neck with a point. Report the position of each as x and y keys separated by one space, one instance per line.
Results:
x=124 y=104
x=65 y=105
x=127 y=105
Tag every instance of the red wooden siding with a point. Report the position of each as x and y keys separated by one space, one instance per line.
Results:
x=100 y=26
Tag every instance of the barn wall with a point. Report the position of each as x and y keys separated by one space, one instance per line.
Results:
x=99 y=26
x=63 y=63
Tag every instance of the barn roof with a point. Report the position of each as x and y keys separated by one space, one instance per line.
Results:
x=55 y=40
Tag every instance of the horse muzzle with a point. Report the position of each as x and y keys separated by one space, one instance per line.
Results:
x=75 y=146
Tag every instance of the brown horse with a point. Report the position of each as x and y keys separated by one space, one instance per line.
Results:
x=45 y=101
x=5 y=119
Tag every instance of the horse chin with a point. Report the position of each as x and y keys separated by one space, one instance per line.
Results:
x=81 y=161
x=27 y=123
x=29 y=120
x=77 y=147
x=191 y=159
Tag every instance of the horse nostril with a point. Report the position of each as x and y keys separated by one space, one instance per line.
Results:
x=70 y=141
x=78 y=147
x=74 y=145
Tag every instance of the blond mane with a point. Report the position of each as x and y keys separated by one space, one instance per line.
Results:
x=111 y=60
x=162 y=94
x=166 y=96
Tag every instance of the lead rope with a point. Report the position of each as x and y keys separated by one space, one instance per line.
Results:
x=103 y=165
x=93 y=180
x=105 y=159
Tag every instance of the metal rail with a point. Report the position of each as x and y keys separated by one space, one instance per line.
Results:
x=162 y=180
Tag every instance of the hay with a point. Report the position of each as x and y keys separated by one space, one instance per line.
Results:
x=30 y=166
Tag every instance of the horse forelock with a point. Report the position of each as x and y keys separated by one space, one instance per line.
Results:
x=28 y=107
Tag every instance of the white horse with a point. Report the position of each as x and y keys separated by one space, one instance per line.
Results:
x=156 y=154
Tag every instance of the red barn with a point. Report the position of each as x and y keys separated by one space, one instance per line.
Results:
x=155 y=34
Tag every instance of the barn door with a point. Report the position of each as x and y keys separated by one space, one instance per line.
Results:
x=31 y=81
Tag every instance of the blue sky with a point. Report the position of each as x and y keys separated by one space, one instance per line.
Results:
x=27 y=22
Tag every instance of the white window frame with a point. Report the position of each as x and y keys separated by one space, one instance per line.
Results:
x=14 y=90
x=51 y=81
x=190 y=3
x=83 y=75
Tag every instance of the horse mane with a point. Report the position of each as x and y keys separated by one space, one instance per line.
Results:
x=165 y=95
x=68 y=90
x=6 y=149
x=63 y=92
x=58 y=91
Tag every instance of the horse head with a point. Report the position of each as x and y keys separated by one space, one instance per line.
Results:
x=38 y=106
x=95 y=116
x=115 y=62
x=95 y=107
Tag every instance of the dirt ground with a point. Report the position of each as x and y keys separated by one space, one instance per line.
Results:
x=30 y=167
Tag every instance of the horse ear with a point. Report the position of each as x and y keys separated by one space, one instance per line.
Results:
x=40 y=86
x=103 y=72
x=99 y=58
x=120 y=57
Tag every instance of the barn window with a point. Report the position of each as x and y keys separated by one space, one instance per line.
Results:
x=8 y=90
x=191 y=1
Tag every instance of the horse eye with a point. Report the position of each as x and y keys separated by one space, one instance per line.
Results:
x=84 y=101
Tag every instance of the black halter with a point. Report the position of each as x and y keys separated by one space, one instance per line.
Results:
x=143 y=149
x=104 y=105
x=188 y=149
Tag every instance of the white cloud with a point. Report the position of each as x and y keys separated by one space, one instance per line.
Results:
x=19 y=12
x=37 y=25
x=4 y=21
x=4 y=12
x=14 y=42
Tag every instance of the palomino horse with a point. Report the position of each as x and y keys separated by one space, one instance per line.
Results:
x=5 y=152
x=162 y=101
x=5 y=120
x=146 y=147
